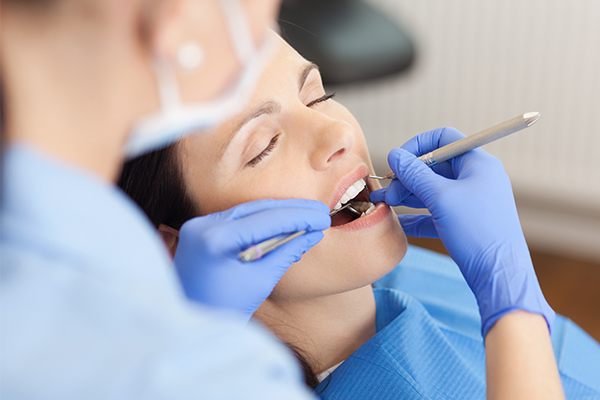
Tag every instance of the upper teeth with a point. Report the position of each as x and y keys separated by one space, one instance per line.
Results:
x=351 y=193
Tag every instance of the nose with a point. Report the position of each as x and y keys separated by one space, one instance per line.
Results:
x=333 y=140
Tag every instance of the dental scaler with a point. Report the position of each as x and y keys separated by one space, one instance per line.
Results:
x=430 y=159
x=474 y=141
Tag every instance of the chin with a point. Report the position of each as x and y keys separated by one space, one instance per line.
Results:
x=349 y=257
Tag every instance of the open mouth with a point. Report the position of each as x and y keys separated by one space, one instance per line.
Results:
x=353 y=204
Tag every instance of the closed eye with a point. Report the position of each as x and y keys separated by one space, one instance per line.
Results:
x=321 y=99
x=267 y=150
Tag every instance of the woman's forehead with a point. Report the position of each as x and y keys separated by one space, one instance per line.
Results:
x=286 y=62
x=279 y=78
x=278 y=81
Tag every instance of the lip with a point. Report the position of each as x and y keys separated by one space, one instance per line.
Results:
x=359 y=172
x=380 y=213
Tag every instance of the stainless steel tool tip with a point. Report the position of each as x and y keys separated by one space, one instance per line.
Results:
x=379 y=177
x=531 y=117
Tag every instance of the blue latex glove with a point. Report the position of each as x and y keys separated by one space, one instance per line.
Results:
x=474 y=214
x=207 y=253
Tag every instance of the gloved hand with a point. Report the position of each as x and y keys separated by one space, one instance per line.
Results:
x=474 y=214
x=207 y=261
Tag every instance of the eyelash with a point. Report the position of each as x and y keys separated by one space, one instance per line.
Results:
x=273 y=142
x=321 y=99
x=265 y=152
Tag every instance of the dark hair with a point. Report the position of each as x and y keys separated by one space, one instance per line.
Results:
x=155 y=182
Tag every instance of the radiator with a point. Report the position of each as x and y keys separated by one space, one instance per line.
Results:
x=481 y=62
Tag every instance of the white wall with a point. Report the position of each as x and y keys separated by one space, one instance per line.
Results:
x=483 y=61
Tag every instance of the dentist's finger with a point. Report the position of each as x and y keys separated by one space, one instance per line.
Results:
x=418 y=225
x=396 y=193
x=267 y=224
x=282 y=258
x=416 y=177
x=231 y=236
x=413 y=201
x=431 y=140
x=385 y=196
x=251 y=207
x=378 y=196
x=393 y=195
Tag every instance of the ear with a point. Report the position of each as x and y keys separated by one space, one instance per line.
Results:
x=170 y=237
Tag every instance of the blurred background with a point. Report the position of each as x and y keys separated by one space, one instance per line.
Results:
x=404 y=67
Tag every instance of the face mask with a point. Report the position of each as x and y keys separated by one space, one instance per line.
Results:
x=175 y=120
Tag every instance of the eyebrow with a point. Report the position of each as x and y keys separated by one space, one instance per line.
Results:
x=268 y=107
x=304 y=75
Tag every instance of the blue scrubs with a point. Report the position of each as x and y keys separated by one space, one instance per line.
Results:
x=428 y=343
x=90 y=307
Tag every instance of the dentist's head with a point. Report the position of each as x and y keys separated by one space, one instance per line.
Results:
x=92 y=81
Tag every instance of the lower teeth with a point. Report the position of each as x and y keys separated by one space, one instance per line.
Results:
x=363 y=207
x=370 y=210
x=360 y=206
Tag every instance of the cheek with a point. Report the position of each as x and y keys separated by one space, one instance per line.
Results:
x=210 y=199
x=283 y=177
x=215 y=193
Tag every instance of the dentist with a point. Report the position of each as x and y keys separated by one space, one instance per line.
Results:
x=90 y=304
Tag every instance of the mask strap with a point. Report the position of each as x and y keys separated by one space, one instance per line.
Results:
x=170 y=97
x=168 y=88
x=177 y=119
x=239 y=30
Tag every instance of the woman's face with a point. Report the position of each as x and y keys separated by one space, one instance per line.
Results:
x=291 y=141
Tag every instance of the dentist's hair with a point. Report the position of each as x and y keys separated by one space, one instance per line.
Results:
x=155 y=182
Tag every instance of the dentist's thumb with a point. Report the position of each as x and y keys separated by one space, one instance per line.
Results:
x=414 y=175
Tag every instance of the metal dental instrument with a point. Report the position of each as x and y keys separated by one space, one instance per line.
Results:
x=348 y=206
x=257 y=251
x=473 y=141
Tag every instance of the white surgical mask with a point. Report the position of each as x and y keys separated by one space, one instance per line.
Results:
x=175 y=120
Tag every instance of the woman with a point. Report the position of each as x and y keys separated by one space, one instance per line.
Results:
x=293 y=140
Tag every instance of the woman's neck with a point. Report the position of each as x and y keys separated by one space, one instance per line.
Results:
x=326 y=330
